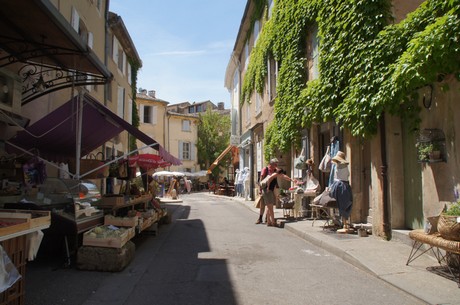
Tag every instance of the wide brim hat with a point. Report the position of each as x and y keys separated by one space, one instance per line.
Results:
x=340 y=158
x=273 y=161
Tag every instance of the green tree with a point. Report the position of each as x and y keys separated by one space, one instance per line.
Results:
x=213 y=137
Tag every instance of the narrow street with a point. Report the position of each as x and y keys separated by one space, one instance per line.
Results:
x=213 y=253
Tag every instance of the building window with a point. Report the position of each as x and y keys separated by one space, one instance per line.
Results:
x=121 y=102
x=191 y=109
x=256 y=31
x=119 y=57
x=185 y=125
x=199 y=108
x=248 y=113
x=147 y=116
x=315 y=53
x=258 y=103
x=272 y=78
x=185 y=150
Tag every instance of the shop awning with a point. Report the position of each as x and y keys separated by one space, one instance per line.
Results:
x=37 y=39
x=54 y=136
x=219 y=158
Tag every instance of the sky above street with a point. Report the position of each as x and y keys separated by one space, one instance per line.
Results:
x=184 y=45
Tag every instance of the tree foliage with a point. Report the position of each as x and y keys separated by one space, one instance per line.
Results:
x=213 y=136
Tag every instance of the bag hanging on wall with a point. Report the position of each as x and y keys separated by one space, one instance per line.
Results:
x=299 y=162
x=326 y=162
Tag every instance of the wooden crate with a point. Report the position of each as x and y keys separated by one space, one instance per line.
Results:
x=109 y=242
x=16 y=250
x=113 y=200
x=12 y=222
x=40 y=218
x=141 y=199
x=121 y=221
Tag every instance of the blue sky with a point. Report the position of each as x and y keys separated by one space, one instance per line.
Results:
x=185 y=45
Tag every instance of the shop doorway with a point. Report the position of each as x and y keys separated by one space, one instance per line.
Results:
x=413 y=204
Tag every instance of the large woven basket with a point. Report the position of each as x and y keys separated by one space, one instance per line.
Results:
x=448 y=227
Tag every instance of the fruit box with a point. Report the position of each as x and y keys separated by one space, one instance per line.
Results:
x=90 y=238
x=121 y=221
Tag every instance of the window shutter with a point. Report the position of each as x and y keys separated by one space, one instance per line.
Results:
x=124 y=63
x=115 y=50
x=154 y=114
x=181 y=150
x=75 y=20
x=90 y=40
x=192 y=151
x=141 y=113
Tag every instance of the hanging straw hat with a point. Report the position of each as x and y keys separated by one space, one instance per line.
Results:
x=340 y=158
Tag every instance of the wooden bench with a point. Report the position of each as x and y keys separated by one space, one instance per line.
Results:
x=435 y=243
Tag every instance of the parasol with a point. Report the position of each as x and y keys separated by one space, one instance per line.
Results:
x=147 y=161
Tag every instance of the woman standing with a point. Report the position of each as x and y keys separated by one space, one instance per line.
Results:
x=269 y=195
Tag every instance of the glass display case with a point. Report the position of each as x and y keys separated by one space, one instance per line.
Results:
x=72 y=211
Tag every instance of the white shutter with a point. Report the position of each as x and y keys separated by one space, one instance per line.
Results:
x=141 y=113
x=121 y=102
x=124 y=64
x=154 y=114
x=115 y=50
x=90 y=40
x=181 y=150
x=129 y=119
x=129 y=74
x=75 y=20
x=192 y=151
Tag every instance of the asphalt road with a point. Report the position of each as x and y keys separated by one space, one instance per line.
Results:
x=213 y=253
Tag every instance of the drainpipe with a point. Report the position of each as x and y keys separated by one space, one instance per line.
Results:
x=386 y=227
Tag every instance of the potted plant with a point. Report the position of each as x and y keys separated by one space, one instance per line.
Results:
x=429 y=151
x=449 y=222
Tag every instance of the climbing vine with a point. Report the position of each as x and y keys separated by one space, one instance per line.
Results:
x=367 y=64
x=135 y=66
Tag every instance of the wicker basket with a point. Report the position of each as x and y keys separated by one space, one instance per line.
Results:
x=448 y=227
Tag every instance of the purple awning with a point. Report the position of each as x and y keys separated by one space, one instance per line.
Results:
x=54 y=136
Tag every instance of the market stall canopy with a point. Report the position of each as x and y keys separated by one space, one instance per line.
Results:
x=167 y=174
x=221 y=156
x=147 y=161
x=36 y=40
x=54 y=136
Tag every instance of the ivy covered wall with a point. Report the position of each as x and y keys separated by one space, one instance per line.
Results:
x=367 y=64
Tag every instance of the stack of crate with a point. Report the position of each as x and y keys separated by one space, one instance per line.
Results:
x=16 y=250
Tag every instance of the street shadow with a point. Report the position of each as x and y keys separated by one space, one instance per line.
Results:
x=184 y=270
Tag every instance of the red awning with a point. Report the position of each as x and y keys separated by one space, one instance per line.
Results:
x=147 y=161
x=54 y=136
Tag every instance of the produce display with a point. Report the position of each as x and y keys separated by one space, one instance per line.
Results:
x=108 y=231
